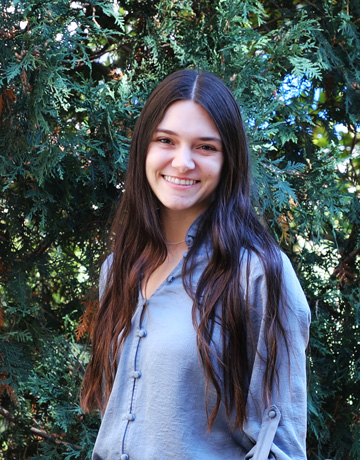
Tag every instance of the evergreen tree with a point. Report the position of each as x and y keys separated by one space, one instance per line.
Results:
x=73 y=79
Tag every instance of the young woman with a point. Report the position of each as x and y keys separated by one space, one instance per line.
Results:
x=199 y=342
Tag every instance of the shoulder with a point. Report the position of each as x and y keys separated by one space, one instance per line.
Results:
x=104 y=274
x=293 y=300
x=106 y=265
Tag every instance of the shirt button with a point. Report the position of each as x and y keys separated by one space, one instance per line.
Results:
x=130 y=417
x=170 y=279
x=185 y=254
x=142 y=333
x=189 y=240
x=136 y=374
x=124 y=457
x=272 y=414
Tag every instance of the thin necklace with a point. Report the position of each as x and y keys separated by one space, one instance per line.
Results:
x=179 y=242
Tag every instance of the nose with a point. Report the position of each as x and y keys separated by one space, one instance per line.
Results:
x=183 y=159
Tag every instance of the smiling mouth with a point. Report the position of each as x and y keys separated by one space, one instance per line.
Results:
x=175 y=180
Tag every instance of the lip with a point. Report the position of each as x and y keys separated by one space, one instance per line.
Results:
x=180 y=181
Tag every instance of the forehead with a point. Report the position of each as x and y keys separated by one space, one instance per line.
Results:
x=189 y=117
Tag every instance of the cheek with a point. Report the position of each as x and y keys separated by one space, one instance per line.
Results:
x=149 y=160
x=217 y=170
x=148 y=172
x=152 y=168
x=155 y=161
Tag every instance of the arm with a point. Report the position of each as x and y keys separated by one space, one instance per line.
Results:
x=289 y=396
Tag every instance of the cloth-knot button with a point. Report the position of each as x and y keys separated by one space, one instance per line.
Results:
x=142 y=333
x=170 y=279
x=136 y=374
x=130 y=417
x=124 y=457
x=272 y=414
x=189 y=240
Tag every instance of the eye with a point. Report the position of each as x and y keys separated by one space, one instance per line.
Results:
x=207 y=147
x=164 y=140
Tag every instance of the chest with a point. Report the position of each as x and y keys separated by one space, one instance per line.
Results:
x=153 y=280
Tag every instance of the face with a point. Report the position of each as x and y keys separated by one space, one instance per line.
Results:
x=184 y=159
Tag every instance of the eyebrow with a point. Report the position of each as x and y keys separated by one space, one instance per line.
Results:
x=168 y=131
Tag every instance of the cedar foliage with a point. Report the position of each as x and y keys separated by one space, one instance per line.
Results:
x=73 y=78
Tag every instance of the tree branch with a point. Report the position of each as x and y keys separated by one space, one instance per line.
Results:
x=5 y=413
x=341 y=267
x=43 y=434
x=105 y=49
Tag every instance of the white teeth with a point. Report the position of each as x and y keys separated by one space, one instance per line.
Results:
x=177 y=181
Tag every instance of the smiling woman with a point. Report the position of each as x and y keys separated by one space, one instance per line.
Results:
x=202 y=320
x=184 y=161
x=183 y=168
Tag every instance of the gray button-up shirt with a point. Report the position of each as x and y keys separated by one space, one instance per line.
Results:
x=156 y=410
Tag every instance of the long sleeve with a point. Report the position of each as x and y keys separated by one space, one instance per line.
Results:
x=289 y=394
x=159 y=391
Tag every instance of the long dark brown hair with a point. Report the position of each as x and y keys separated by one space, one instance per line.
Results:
x=234 y=231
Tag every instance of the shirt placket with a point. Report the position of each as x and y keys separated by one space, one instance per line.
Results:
x=134 y=377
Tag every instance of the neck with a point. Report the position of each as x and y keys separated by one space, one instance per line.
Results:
x=176 y=224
